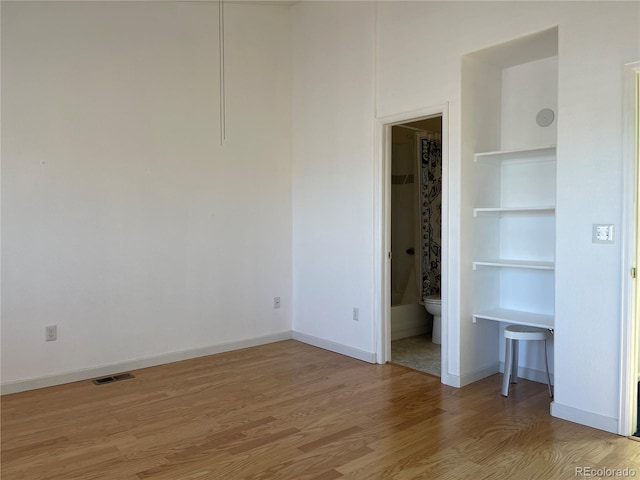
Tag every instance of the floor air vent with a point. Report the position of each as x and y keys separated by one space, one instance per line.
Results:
x=113 y=378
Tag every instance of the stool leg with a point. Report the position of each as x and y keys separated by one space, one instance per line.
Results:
x=546 y=362
x=508 y=361
x=514 y=368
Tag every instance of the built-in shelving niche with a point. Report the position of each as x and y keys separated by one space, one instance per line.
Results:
x=508 y=198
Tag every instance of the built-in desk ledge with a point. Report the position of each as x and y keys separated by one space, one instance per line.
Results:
x=536 y=154
x=543 y=210
x=528 y=264
x=516 y=317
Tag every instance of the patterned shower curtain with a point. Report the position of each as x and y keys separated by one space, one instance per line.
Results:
x=431 y=211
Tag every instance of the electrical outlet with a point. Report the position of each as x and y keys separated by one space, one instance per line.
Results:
x=51 y=333
x=276 y=302
x=356 y=314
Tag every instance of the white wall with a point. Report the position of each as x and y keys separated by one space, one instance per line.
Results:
x=480 y=91
x=588 y=280
x=332 y=224
x=527 y=89
x=333 y=58
x=124 y=221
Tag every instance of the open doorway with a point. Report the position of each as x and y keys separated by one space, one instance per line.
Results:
x=382 y=239
x=416 y=244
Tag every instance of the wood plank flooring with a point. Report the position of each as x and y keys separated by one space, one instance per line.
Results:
x=291 y=411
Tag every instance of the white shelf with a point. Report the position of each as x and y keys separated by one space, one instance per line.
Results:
x=543 y=210
x=540 y=154
x=516 y=317
x=529 y=264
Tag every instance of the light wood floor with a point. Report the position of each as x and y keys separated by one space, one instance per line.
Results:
x=292 y=411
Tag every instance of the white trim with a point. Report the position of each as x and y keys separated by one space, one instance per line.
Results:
x=479 y=374
x=532 y=374
x=627 y=408
x=381 y=285
x=369 y=357
x=382 y=240
x=152 y=361
x=471 y=377
x=590 y=419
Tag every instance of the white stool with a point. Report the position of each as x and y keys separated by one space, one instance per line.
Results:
x=512 y=334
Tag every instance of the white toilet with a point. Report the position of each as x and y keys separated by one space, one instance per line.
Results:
x=432 y=304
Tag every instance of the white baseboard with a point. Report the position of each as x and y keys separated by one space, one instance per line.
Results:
x=461 y=381
x=590 y=419
x=450 y=380
x=474 y=376
x=369 y=357
x=101 y=371
x=530 y=374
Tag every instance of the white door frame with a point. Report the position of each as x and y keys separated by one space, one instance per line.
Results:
x=382 y=234
x=629 y=322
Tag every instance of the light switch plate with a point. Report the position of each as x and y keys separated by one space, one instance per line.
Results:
x=602 y=233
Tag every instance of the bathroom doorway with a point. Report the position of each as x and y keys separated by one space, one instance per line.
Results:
x=416 y=244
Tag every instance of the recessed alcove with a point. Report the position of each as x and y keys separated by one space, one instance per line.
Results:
x=508 y=180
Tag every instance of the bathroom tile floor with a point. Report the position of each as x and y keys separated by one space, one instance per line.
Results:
x=418 y=352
